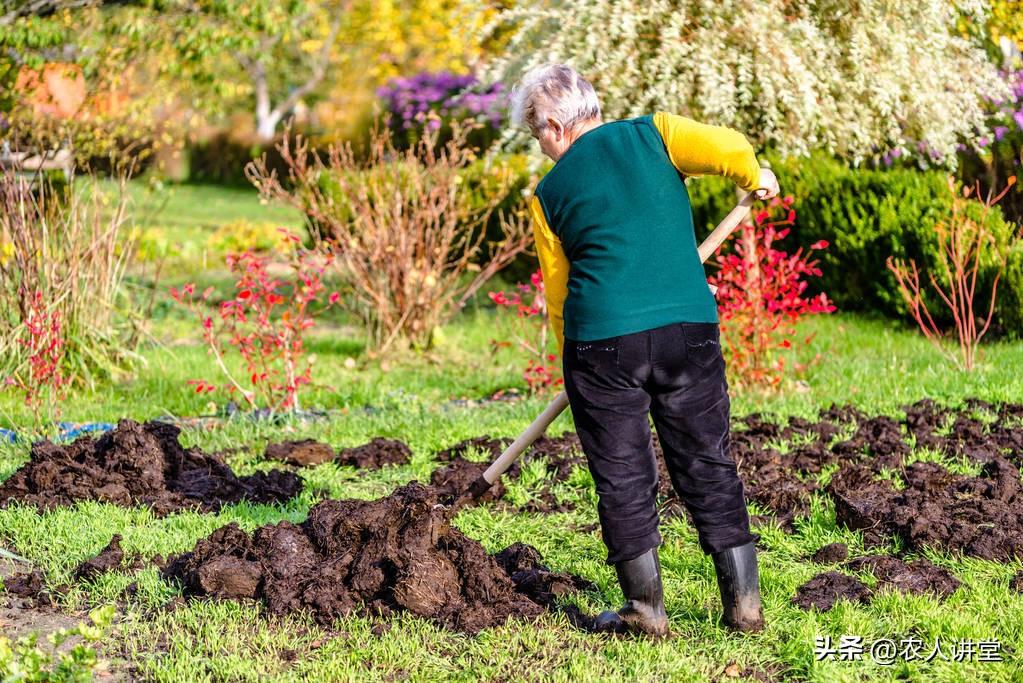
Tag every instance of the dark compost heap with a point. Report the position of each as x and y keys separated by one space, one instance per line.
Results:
x=395 y=553
x=981 y=515
x=139 y=464
x=400 y=553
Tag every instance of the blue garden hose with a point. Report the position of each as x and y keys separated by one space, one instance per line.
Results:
x=69 y=431
x=72 y=430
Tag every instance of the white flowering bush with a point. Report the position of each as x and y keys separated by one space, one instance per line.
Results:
x=853 y=78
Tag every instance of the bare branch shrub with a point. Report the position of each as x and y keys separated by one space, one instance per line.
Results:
x=965 y=242
x=63 y=259
x=408 y=241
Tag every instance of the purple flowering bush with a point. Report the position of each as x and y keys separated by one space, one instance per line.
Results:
x=433 y=100
x=1007 y=116
x=990 y=159
x=1001 y=154
x=1005 y=121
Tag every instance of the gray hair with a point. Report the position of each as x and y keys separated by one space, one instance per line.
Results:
x=553 y=91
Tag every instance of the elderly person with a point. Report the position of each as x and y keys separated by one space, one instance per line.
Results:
x=637 y=328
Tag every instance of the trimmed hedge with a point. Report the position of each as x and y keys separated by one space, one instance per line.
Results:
x=865 y=215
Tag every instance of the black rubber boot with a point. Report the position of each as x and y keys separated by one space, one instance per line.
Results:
x=739 y=582
x=640 y=579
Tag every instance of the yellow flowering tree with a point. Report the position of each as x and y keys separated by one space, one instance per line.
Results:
x=388 y=38
x=1007 y=20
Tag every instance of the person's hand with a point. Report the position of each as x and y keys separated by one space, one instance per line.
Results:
x=768 y=185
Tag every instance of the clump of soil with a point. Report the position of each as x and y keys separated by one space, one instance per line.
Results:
x=1016 y=582
x=110 y=558
x=139 y=464
x=376 y=454
x=302 y=453
x=524 y=564
x=977 y=516
x=106 y=560
x=917 y=577
x=26 y=585
x=455 y=478
x=30 y=587
x=832 y=553
x=824 y=590
x=560 y=455
x=396 y=553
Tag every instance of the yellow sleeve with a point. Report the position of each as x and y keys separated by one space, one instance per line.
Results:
x=700 y=149
x=554 y=266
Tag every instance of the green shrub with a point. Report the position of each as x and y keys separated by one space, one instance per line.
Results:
x=481 y=180
x=221 y=157
x=867 y=215
x=1010 y=294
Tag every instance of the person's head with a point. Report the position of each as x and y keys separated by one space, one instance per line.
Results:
x=557 y=105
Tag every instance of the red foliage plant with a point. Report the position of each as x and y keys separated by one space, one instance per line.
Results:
x=531 y=332
x=44 y=342
x=760 y=294
x=265 y=321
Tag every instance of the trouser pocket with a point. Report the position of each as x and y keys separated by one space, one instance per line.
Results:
x=702 y=342
x=600 y=356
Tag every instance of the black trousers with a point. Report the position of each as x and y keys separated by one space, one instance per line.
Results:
x=676 y=374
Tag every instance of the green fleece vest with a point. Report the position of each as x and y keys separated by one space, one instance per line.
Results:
x=622 y=213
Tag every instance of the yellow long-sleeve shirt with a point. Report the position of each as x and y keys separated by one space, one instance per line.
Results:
x=693 y=148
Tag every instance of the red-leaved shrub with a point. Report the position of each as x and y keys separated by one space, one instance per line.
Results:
x=530 y=334
x=265 y=321
x=761 y=296
x=43 y=342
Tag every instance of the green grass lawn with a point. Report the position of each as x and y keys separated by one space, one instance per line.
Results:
x=188 y=207
x=875 y=365
x=864 y=362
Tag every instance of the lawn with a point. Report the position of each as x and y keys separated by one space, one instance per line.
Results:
x=875 y=365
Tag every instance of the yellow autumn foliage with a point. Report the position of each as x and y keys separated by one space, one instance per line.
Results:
x=1007 y=20
x=389 y=38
